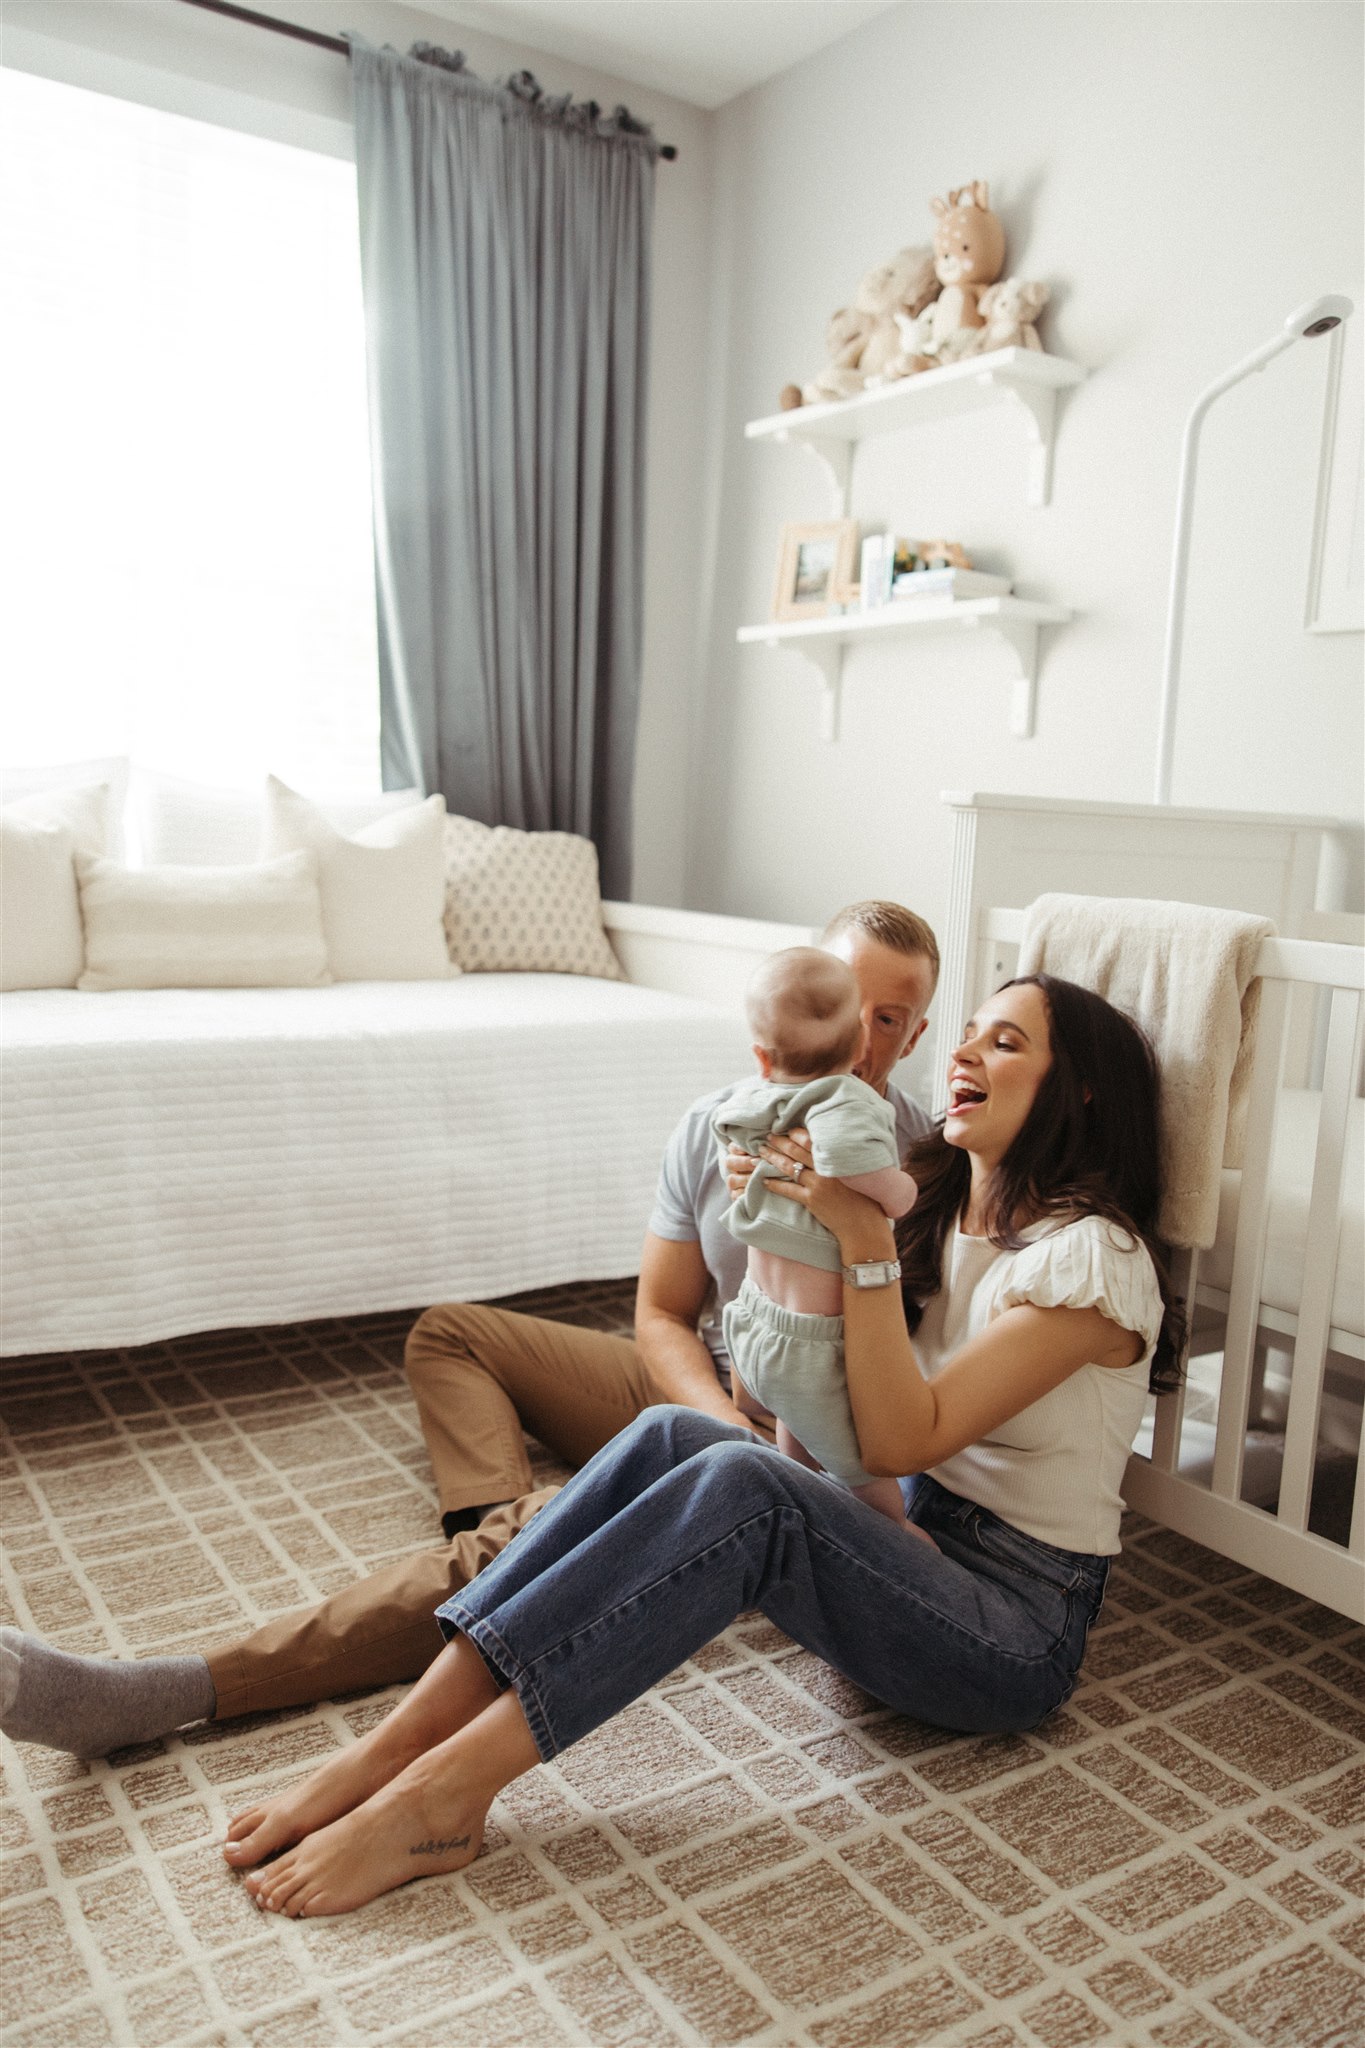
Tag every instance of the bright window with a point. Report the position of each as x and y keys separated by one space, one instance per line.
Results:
x=185 y=521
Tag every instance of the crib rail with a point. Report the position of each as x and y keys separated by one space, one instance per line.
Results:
x=1210 y=1507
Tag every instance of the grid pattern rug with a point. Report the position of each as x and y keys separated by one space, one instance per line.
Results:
x=755 y=1852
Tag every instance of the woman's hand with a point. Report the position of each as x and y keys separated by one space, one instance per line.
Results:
x=858 y=1222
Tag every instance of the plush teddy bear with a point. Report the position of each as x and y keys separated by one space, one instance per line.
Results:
x=862 y=338
x=900 y=288
x=844 y=337
x=1009 y=310
x=969 y=255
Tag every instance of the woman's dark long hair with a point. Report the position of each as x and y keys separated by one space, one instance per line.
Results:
x=1090 y=1146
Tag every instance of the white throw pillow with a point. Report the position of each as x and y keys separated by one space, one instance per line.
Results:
x=85 y=810
x=173 y=927
x=524 y=902
x=383 y=891
x=194 y=825
x=40 y=914
x=28 y=783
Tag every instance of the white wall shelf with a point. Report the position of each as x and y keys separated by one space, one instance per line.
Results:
x=824 y=641
x=1024 y=379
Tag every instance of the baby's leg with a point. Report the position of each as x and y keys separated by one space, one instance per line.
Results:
x=882 y=1494
x=788 y=1444
x=885 y=1496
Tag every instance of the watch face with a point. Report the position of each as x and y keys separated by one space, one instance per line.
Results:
x=874 y=1273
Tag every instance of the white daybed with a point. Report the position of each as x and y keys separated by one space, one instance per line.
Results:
x=179 y=1160
x=1270 y=1418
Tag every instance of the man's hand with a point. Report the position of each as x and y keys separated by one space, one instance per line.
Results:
x=674 y=1285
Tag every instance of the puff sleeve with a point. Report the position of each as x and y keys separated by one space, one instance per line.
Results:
x=1089 y=1263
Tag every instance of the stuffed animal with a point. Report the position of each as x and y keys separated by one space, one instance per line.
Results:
x=901 y=288
x=844 y=337
x=862 y=338
x=941 y=554
x=1009 y=310
x=969 y=254
x=915 y=336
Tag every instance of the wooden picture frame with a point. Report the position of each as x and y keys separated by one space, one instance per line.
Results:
x=816 y=568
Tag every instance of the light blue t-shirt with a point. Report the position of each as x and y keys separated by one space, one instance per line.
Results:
x=691 y=1200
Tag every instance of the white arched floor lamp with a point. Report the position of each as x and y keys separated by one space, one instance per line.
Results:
x=1320 y=316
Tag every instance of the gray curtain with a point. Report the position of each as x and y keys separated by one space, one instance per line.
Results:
x=505 y=251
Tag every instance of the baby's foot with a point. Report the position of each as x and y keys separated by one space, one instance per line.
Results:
x=409 y=1829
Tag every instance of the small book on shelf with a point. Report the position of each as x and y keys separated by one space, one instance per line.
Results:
x=957 y=583
x=876 y=570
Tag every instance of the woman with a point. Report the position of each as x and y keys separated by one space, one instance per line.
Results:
x=1015 y=1362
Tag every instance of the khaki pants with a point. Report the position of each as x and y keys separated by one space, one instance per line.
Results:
x=480 y=1375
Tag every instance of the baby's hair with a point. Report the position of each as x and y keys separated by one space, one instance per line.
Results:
x=890 y=924
x=804 y=1009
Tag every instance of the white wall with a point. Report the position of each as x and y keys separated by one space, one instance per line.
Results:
x=1182 y=176
x=190 y=62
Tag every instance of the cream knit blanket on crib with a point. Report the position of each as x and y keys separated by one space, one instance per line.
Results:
x=1184 y=972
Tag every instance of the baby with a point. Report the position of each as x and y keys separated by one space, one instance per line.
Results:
x=785 y=1329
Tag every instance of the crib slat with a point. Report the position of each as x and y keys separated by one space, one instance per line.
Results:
x=1239 y=1344
x=1170 y=1408
x=1320 y=1261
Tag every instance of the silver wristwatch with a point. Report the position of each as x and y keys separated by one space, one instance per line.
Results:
x=874 y=1273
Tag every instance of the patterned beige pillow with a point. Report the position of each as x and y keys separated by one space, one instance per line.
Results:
x=524 y=902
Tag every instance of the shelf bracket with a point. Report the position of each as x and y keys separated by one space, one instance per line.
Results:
x=835 y=457
x=1022 y=636
x=1039 y=404
x=827 y=658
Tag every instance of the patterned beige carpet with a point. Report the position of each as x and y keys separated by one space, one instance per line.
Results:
x=754 y=1853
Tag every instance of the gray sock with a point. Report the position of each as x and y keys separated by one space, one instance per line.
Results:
x=90 y=1705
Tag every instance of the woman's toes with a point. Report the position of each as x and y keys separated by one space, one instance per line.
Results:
x=260 y=1832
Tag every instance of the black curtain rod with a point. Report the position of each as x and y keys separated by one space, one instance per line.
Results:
x=338 y=44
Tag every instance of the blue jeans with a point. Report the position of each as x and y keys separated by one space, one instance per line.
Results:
x=682 y=1523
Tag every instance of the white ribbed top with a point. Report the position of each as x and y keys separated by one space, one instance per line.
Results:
x=1054 y=1470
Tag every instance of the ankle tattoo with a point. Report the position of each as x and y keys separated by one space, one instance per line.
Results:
x=440 y=1848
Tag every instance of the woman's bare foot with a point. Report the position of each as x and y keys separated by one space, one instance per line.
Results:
x=345 y=1781
x=428 y=1820
x=449 y=1695
x=418 y=1826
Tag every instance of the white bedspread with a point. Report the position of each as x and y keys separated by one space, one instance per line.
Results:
x=181 y=1160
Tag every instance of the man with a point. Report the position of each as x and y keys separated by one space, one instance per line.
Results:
x=480 y=1376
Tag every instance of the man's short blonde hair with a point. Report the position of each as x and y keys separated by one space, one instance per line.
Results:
x=890 y=924
x=805 y=1010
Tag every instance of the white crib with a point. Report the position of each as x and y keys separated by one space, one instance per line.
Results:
x=1258 y=1455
